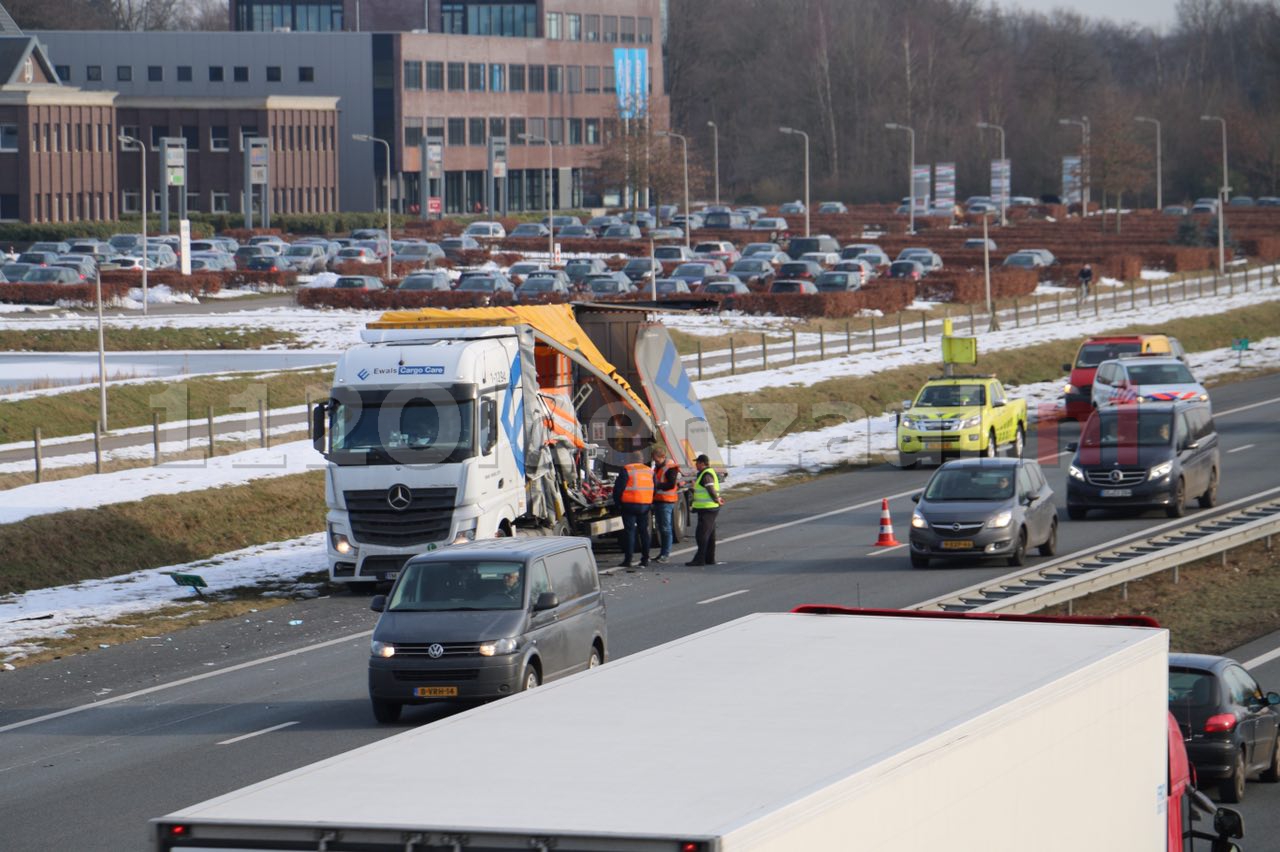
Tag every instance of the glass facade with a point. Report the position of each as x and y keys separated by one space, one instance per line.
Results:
x=296 y=15
x=487 y=18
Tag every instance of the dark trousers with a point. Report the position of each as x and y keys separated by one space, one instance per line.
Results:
x=635 y=532
x=706 y=535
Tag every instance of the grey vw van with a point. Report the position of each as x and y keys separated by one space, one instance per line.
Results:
x=486 y=619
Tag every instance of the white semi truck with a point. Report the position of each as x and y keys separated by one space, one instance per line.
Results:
x=447 y=426
x=776 y=732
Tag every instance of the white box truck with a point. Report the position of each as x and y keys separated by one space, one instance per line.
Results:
x=447 y=426
x=779 y=732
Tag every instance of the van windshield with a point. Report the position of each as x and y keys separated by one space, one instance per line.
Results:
x=1093 y=354
x=458 y=586
x=1126 y=427
x=428 y=426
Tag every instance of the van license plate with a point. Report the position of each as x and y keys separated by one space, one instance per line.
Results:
x=1117 y=492
x=963 y=544
x=436 y=692
x=392 y=575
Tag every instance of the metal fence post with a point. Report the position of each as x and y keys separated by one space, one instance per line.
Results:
x=794 y=355
x=873 y=334
x=848 y=339
x=924 y=327
x=899 y=328
x=262 y=423
x=764 y=351
x=97 y=446
x=699 y=360
x=1017 y=319
x=733 y=358
x=39 y=450
x=822 y=344
x=210 y=423
x=971 y=326
x=1036 y=301
x=155 y=437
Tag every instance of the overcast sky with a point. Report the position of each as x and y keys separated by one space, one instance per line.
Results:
x=1157 y=14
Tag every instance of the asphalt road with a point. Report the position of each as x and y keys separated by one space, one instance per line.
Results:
x=109 y=739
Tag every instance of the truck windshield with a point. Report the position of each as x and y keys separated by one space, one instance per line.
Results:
x=948 y=395
x=425 y=429
x=442 y=586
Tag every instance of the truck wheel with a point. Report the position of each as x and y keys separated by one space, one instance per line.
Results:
x=1178 y=501
x=1272 y=773
x=561 y=527
x=908 y=461
x=1019 y=442
x=386 y=712
x=679 y=521
x=1231 y=788
x=919 y=561
x=1019 y=556
x=1209 y=498
x=993 y=449
x=1050 y=545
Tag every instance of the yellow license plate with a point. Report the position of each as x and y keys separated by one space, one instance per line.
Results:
x=957 y=545
x=436 y=692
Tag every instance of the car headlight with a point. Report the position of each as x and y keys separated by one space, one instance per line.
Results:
x=1000 y=520
x=1068 y=390
x=971 y=422
x=918 y=521
x=340 y=542
x=382 y=649
x=908 y=423
x=1160 y=471
x=498 y=647
x=1075 y=473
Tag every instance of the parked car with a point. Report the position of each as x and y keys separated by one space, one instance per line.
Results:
x=825 y=259
x=485 y=231
x=928 y=258
x=792 y=208
x=794 y=269
x=724 y=251
x=38 y=258
x=687 y=221
x=125 y=242
x=308 y=259
x=212 y=262
x=1268 y=201
x=669 y=253
x=621 y=232
x=725 y=288
x=1175 y=210
x=85 y=268
x=984 y=508
x=726 y=220
x=760 y=248
x=489 y=282
x=359 y=282
x=428 y=279
x=1208 y=208
x=544 y=283
x=561 y=221
x=51 y=247
x=454 y=246
x=754 y=270
x=268 y=263
x=579 y=269
x=600 y=224
x=979 y=242
x=838 y=282
x=162 y=256
x=1157 y=454
x=666 y=232
x=695 y=272
x=912 y=270
x=603 y=284
x=1242 y=201
x=353 y=254
x=1024 y=260
x=1145 y=378
x=640 y=269
x=575 y=232
x=276 y=243
x=131 y=264
x=639 y=218
x=673 y=287
x=1231 y=728
x=424 y=253
x=797 y=247
x=530 y=229
x=793 y=286
x=52 y=275
x=15 y=271
x=772 y=224
x=832 y=207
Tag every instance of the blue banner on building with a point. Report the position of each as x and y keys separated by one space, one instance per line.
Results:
x=631 y=79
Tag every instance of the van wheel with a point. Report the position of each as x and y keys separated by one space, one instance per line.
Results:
x=530 y=679
x=1050 y=545
x=1231 y=788
x=1019 y=442
x=918 y=561
x=993 y=449
x=1272 y=773
x=594 y=659
x=1210 y=496
x=1178 y=502
x=386 y=712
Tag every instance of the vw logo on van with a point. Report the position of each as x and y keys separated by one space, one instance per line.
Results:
x=399 y=497
x=435 y=651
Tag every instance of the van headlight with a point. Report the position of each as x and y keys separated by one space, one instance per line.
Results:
x=1075 y=473
x=1160 y=471
x=1000 y=520
x=498 y=647
x=382 y=649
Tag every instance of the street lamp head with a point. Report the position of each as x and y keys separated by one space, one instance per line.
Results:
x=786 y=130
x=889 y=125
x=711 y=124
x=1212 y=118
x=362 y=137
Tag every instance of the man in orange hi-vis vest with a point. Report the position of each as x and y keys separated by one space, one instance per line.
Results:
x=666 y=494
x=633 y=494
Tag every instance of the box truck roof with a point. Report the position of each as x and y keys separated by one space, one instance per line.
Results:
x=703 y=736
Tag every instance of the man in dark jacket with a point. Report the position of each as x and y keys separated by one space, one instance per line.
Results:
x=666 y=499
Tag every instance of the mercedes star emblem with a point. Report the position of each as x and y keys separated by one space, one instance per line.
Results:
x=435 y=651
x=1116 y=475
x=399 y=497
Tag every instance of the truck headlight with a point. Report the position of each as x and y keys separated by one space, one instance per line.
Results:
x=1075 y=473
x=466 y=531
x=1160 y=471
x=1000 y=520
x=918 y=521
x=382 y=649
x=908 y=423
x=971 y=422
x=340 y=542
x=498 y=647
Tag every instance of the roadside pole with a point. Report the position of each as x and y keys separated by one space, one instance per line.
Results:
x=102 y=354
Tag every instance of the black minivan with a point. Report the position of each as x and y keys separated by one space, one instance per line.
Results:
x=486 y=619
x=1152 y=454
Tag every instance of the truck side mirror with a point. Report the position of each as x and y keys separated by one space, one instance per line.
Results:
x=906 y=405
x=318 y=415
x=1072 y=447
x=1227 y=822
x=545 y=601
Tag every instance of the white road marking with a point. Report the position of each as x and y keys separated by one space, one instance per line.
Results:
x=1249 y=407
x=13 y=726
x=257 y=733
x=722 y=597
x=1241 y=449
x=1262 y=659
x=880 y=550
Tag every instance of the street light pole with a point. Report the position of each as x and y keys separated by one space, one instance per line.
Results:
x=715 y=148
x=142 y=151
x=911 y=173
x=684 y=142
x=1159 y=173
x=1083 y=124
x=1222 y=194
x=1005 y=192
x=551 y=196
x=364 y=137
x=792 y=130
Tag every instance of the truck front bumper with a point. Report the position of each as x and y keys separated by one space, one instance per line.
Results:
x=934 y=446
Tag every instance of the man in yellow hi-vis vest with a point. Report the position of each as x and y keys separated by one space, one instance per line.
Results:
x=706 y=502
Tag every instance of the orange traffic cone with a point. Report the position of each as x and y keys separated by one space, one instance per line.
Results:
x=886 y=538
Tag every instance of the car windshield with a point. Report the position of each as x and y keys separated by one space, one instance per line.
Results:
x=949 y=396
x=351 y=283
x=638 y=264
x=1190 y=688
x=604 y=285
x=666 y=285
x=578 y=268
x=1126 y=428
x=787 y=287
x=1093 y=354
x=693 y=269
x=479 y=282
x=538 y=283
x=970 y=483
x=1160 y=374
x=1027 y=260
x=833 y=280
x=419 y=282
x=669 y=252
x=454 y=586
x=44 y=274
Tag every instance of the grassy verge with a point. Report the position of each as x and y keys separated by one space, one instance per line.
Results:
x=68 y=547
x=74 y=413
x=772 y=412
x=143 y=339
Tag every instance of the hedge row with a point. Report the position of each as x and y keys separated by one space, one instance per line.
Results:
x=887 y=297
x=972 y=287
x=52 y=294
x=327 y=297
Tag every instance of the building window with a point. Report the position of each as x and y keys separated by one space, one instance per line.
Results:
x=592 y=28
x=628 y=29
x=453 y=18
x=435 y=129
x=553 y=78
x=537 y=83
x=8 y=207
x=219 y=202
x=412 y=132
x=516 y=126
x=555 y=126
x=130 y=130
x=157 y=133
x=155 y=73
x=215 y=74
x=457 y=131
x=593 y=131
x=475 y=76
x=575 y=131
x=646 y=30
x=607 y=72
x=497 y=127
x=93 y=73
x=610 y=28
x=457 y=77
x=124 y=73
x=553 y=26
x=573 y=79
x=184 y=73
x=537 y=129
x=274 y=74
x=129 y=201
x=435 y=76
x=517 y=78
x=63 y=72
x=306 y=74
x=191 y=133
x=497 y=77
x=240 y=73
x=219 y=139
x=247 y=133
x=593 y=79
x=8 y=137
x=476 y=131
x=573 y=26
x=412 y=75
